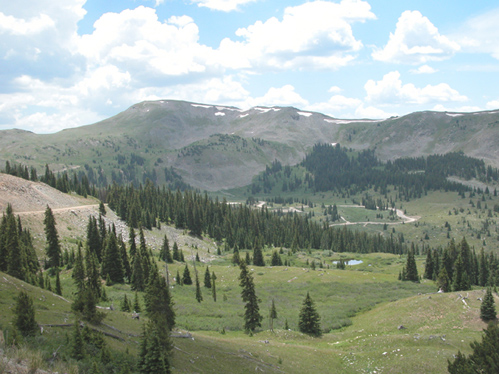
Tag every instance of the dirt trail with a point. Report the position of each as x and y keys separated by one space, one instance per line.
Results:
x=70 y=208
x=400 y=214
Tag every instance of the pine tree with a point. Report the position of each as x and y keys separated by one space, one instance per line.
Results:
x=186 y=278
x=77 y=346
x=488 y=307
x=199 y=295
x=53 y=248
x=178 y=278
x=258 y=257
x=154 y=357
x=460 y=282
x=158 y=301
x=485 y=356
x=309 y=320
x=58 y=288
x=252 y=317
x=165 y=253
x=176 y=254
x=428 y=270
x=112 y=265
x=207 y=278
x=125 y=304
x=272 y=315
x=136 y=303
x=24 y=315
x=443 y=281
x=102 y=208
x=213 y=287
x=411 y=270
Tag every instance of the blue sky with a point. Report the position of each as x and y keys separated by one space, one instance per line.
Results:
x=67 y=63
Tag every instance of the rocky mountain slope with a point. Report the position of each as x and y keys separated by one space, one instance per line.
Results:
x=218 y=147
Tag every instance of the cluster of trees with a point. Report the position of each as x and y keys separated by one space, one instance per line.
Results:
x=457 y=267
x=17 y=254
x=240 y=226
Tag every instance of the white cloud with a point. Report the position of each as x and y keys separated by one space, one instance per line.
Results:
x=334 y=89
x=19 y=26
x=459 y=109
x=223 y=5
x=281 y=96
x=336 y=106
x=480 y=34
x=416 y=41
x=424 y=69
x=315 y=35
x=493 y=104
x=390 y=90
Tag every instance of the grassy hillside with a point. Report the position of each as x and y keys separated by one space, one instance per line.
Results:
x=148 y=137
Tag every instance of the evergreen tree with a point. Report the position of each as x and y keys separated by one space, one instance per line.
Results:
x=53 y=248
x=154 y=356
x=178 y=278
x=443 y=281
x=252 y=317
x=77 y=347
x=138 y=282
x=428 y=270
x=186 y=278
x=24 y=315
x=125 y=304
x=272 y=315
x=488 y=307
x=176 y=253
x=309 y=320
x=58 y=288
x=485 y=356
x=460 y=282
x=112 y=264
x=199 y=295
x=136 y=303
x=94 y=238
x=213 y=287
x=12 y=246
x=258 y=257
x=276 y=259
x=411 y=270
x=158 y=301
x=93 y=281
x=207 y=278
x=165 y=253
x=102 y=208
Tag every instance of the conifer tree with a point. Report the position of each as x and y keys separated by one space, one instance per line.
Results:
x=102 y=208
x=272 y=315
x=93 y=238
x=77 y=346
x=13 y=247
x=213 y=287
x=309 y=320
x=158 y=301
x=165 y=253
x=24 y=315
x=132 y=244
x=488 y=307
x=428 y=270
x=199 y=295
x=93 y=274
x=460 y=282
x=112 y=265
x=176 y=253
x=58 y=288
x=252 y=317
x=443 y=281
x=78 y=273
x=136 y=303
x=207 y=278
x=258 y=257
x=186 y=278
x=125 y=304
x=53 y=248
x=485 y=356
x=154 y=356
x=138 y=282
x=411 y=270
x=276 y=259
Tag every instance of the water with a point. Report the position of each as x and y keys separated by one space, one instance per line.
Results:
x=350 y=262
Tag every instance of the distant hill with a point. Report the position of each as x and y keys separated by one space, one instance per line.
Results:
x=217 y=147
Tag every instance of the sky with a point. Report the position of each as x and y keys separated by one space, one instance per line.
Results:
x=67 y=63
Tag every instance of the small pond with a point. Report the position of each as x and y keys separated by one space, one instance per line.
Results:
x=350 y=262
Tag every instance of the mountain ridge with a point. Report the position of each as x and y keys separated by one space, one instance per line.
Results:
x=216 y=147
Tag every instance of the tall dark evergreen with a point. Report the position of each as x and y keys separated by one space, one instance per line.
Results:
x=207 y=278
x=411 y=270
x=309 y=319
x=186 y=277
x=78 y=273
x=53 y=248
x=165 y=253
x=24 y=315
x=112 y=265
x=252 y=317
x=93 y=238
x=213 y=286
x=488 y=307
x=199 y=295
x=155 y=350
x=272 y=315
x=485 y=356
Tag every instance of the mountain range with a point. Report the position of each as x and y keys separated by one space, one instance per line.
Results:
x=219 y=147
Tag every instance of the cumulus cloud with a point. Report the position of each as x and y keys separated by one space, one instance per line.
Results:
x=314 y=35
x=223 y=5
x=424 y=69
x=480 y=34
x=416 y=41
x=390 y=90
x=279 y=96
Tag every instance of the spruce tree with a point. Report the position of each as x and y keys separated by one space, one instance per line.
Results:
x=309 y=319
x=53 y=249
x=136 y=303
x=24 y=315
x=58 y=288
x=213 y=287
x=443 y=281
x=186 y=278
x=199 y=295
x=125 y=304
x=178 y=278
x=112 y=264
x=258 y=257
x=165 y=253
x=154 y=356
x=77 y=344
x=207 y=278
x=272 y=315
x=252 y=317
x=488 y=307
x=485 y=356
x=411 y=270
x=176 y=253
